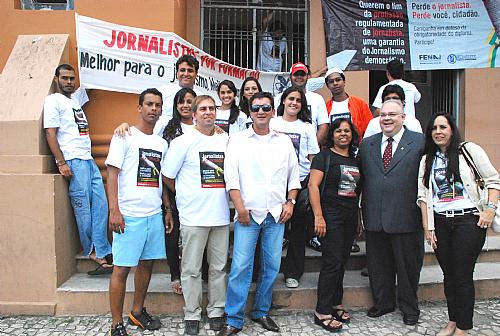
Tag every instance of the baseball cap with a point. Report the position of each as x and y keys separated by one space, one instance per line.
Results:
x=299 y=67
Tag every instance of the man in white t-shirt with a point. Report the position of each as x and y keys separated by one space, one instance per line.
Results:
x=262 y=177
x=394 y=73
x=67 y=132
x=393 y=92
x=135 y=192
x=195 y=171
x=186 y=69
x=299 y=74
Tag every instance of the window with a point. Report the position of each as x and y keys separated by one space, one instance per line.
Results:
x=232 y=29
x=47 y=4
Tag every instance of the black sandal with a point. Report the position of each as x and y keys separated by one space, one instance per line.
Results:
x=338 y=314
x=328 y=326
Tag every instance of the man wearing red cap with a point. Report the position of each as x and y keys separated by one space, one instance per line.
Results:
x=299 y=74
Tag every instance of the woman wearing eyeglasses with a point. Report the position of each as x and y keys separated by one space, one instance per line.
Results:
x=294 y=120
x=456 y=213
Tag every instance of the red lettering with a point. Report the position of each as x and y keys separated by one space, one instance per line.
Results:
x=176 y=50
x=143 y=43
x=170 y=47
x=121 y=40
x=153 y=45
x=111 y=43
x=162 y=51
x=131 y=41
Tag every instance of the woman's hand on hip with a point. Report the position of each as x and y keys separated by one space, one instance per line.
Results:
x=486 y=218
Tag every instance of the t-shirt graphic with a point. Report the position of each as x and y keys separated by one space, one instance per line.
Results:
x=212 y=169
x=345 y=115
x=81 y=121
x=148 y=173
x=445 y=191
x=349 y=177
x=295 y=137
x=223 y=123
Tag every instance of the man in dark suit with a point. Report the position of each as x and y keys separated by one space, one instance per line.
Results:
x=394 y=238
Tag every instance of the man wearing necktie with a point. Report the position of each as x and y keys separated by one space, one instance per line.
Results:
x=394 y=238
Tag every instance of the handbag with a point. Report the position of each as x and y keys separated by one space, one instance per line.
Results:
x=303 y=204
x=480 y=183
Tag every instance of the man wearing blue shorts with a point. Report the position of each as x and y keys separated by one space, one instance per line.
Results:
x=135 y=195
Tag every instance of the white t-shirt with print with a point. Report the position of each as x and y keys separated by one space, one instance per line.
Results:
x=447 y=196
x=340 y=110
x=412 y=96
x=317 y=107
x=141 y=159
x=222 y=120
x=303 y=136
x=67 y=116
x=196 y=162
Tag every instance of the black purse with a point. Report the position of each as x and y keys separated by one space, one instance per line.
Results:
x=303 y=204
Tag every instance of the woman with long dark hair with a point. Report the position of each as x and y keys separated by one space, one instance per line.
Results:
x=456 y=213
x=181 y=122
x=249 y=87
x=294 y=120
x=229 y=117
x=336 y=215
x=182 y=115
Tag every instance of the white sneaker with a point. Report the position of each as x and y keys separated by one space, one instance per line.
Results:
x=291 y=283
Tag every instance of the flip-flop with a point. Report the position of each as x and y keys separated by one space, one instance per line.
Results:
x=101 y=270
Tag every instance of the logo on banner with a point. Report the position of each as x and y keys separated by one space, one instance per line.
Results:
x=429 y=59
x=453 y=58
x=280 y=84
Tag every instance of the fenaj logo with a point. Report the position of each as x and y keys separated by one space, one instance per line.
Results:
x=429 y=58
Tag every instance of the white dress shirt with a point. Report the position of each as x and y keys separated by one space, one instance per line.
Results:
x=395 y=141
x=261 y=168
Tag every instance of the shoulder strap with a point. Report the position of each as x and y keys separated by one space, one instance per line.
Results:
x=470 y=162
x=327 y=168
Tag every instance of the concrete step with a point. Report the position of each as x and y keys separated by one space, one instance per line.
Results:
x=491 y=253
x=83 y=294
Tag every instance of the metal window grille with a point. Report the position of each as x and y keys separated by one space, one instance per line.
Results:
x=48 y=4
x=231 y=29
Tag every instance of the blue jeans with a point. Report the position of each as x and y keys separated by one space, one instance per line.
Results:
x=86 y=192
x=245 y=241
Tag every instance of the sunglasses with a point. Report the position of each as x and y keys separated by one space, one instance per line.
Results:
x=265 y=108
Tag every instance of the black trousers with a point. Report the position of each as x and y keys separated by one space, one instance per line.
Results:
x=336 y=248
x=293 y=265
x=389 y=254
x=459 y=242
x=172 y=243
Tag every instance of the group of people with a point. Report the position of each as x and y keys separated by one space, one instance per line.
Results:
x=171 y=177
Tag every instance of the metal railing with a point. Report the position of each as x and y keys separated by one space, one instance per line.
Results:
x=231 y=29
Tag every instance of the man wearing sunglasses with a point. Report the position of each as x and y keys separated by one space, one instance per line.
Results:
x=299 y=75
x=393 y=92
x=262 y=176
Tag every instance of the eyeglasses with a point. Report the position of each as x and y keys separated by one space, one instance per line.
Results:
x=390 y=115
x=265 y=108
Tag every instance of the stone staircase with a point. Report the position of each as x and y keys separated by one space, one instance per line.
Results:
x=83 y=294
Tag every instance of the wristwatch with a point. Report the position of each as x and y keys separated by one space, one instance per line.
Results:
x=291 y=200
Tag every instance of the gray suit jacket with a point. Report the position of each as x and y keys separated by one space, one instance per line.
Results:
x=389 y=196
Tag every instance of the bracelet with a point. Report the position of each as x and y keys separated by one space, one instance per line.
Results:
x=168 y=210
x=492 y=205
x=59 y=164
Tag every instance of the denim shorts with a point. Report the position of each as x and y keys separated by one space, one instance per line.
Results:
x=143 y=239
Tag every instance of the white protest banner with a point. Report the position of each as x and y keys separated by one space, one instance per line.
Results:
x=127 y=59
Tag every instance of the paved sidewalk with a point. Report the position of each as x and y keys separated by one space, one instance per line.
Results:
x=292 y=323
